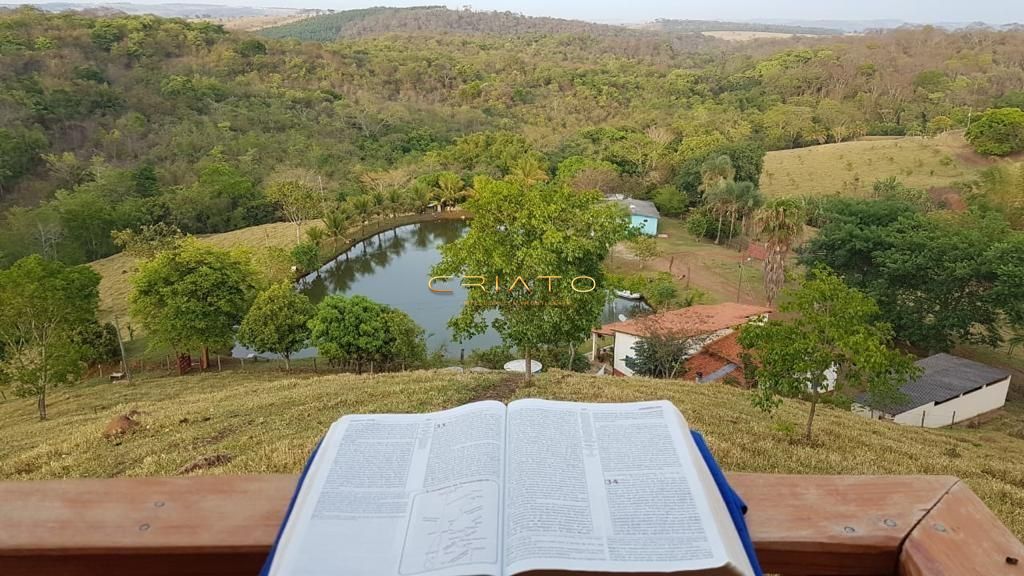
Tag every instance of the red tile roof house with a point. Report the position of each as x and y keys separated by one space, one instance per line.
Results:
x=712 y=328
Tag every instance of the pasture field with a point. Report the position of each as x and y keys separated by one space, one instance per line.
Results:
x=850 y=168
x=252 y=422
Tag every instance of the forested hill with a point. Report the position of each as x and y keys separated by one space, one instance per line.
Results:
x=430 y=20
x=720 y=26
x=118 y=122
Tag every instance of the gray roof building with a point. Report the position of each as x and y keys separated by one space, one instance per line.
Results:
x=639 y=207
x=943 y=378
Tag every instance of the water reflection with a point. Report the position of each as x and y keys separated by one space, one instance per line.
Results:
x=393 y=268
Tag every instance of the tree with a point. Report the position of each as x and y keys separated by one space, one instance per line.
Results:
x=19 y=153
x=833 y=332
x=193 y=296
x=359 y=332
x=306 y=257
x=547 y=235
x=939 y=278
x=779 y=224
x=661 y=353
x=147 y=240
x=449 y=190
x=337 y=221
x=669 y=201
x=298 y=200
x=661 y=356
x=644 y=248
x=715 y=172
x=999 y=131
x=46 y=305
x=277 y=322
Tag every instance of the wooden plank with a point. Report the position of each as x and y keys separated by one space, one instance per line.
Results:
x=834 y=524
x=224 y=525
x=961 y=536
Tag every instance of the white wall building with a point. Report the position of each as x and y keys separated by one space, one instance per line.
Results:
x=950 y=389
x=703 y=323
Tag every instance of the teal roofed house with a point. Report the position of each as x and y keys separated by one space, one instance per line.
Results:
x=643 y=215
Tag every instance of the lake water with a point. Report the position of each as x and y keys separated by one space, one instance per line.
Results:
x=393 y=268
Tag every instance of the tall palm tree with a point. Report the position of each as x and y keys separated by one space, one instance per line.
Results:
x=449 y=190
x=780 y=223
x=746 y=199
x=337 y=222
x=528 y=170
x=715 y=172
x=719 y=200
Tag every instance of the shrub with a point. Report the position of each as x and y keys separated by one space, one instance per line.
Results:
x=999 y=131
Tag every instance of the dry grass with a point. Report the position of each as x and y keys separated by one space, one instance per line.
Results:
x=269 y=422
x=850 y=168
x=115 y=271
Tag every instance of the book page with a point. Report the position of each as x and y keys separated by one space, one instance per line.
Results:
x=405 y=494
x=604 y=488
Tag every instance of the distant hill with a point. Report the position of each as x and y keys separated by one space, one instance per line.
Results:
x=429 y=19
x=172 y=10
x=667 y=25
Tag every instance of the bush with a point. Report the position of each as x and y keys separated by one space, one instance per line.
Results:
x=703 y=223
x=999 y=131
x=670 y=201
x=306 y=257
x=494 y=357
x=558 y=357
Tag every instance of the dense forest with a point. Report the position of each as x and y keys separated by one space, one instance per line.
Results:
x=115 y=123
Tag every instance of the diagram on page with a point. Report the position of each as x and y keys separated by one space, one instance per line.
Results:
x=451 y=527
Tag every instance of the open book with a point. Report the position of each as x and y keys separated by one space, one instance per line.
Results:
x=495 y=490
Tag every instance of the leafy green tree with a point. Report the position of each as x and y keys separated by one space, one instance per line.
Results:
x=659 y=355
x=780 y=223
x=939 y=278
x=999 y=131
x=298 y=200
x=359 y=332
x=533 y=232
x=19 y=153
x=644 y=248
x=669 y=201
x=277 y=322
x=193 y=296
x=46 y=305
x=147 y=240
x=830 y=331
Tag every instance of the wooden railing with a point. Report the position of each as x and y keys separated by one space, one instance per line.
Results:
x=224 y=525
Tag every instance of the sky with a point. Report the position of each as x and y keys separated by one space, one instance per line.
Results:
x=623 y=11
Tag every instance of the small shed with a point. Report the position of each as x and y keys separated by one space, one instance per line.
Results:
x=643 y=214
x=950 y=389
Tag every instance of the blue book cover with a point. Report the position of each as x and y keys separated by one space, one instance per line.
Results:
x=733 y=503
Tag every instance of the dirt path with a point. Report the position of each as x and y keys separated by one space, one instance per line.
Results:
x=711 y=269
x=502 y=390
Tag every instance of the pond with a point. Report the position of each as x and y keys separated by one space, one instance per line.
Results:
x=393 y=267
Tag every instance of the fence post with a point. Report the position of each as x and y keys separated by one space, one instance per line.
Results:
x=953 y=419
x=923 y=412
x=314 y=364
x=218 y=362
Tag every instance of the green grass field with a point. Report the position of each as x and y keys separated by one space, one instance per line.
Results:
x=267 y=421
x=850 y=168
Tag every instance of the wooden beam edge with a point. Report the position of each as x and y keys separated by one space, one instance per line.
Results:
x=961 y=536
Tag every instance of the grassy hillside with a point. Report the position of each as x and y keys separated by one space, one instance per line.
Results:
x=268 y=422
x=115 y=270
x=851 y=168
